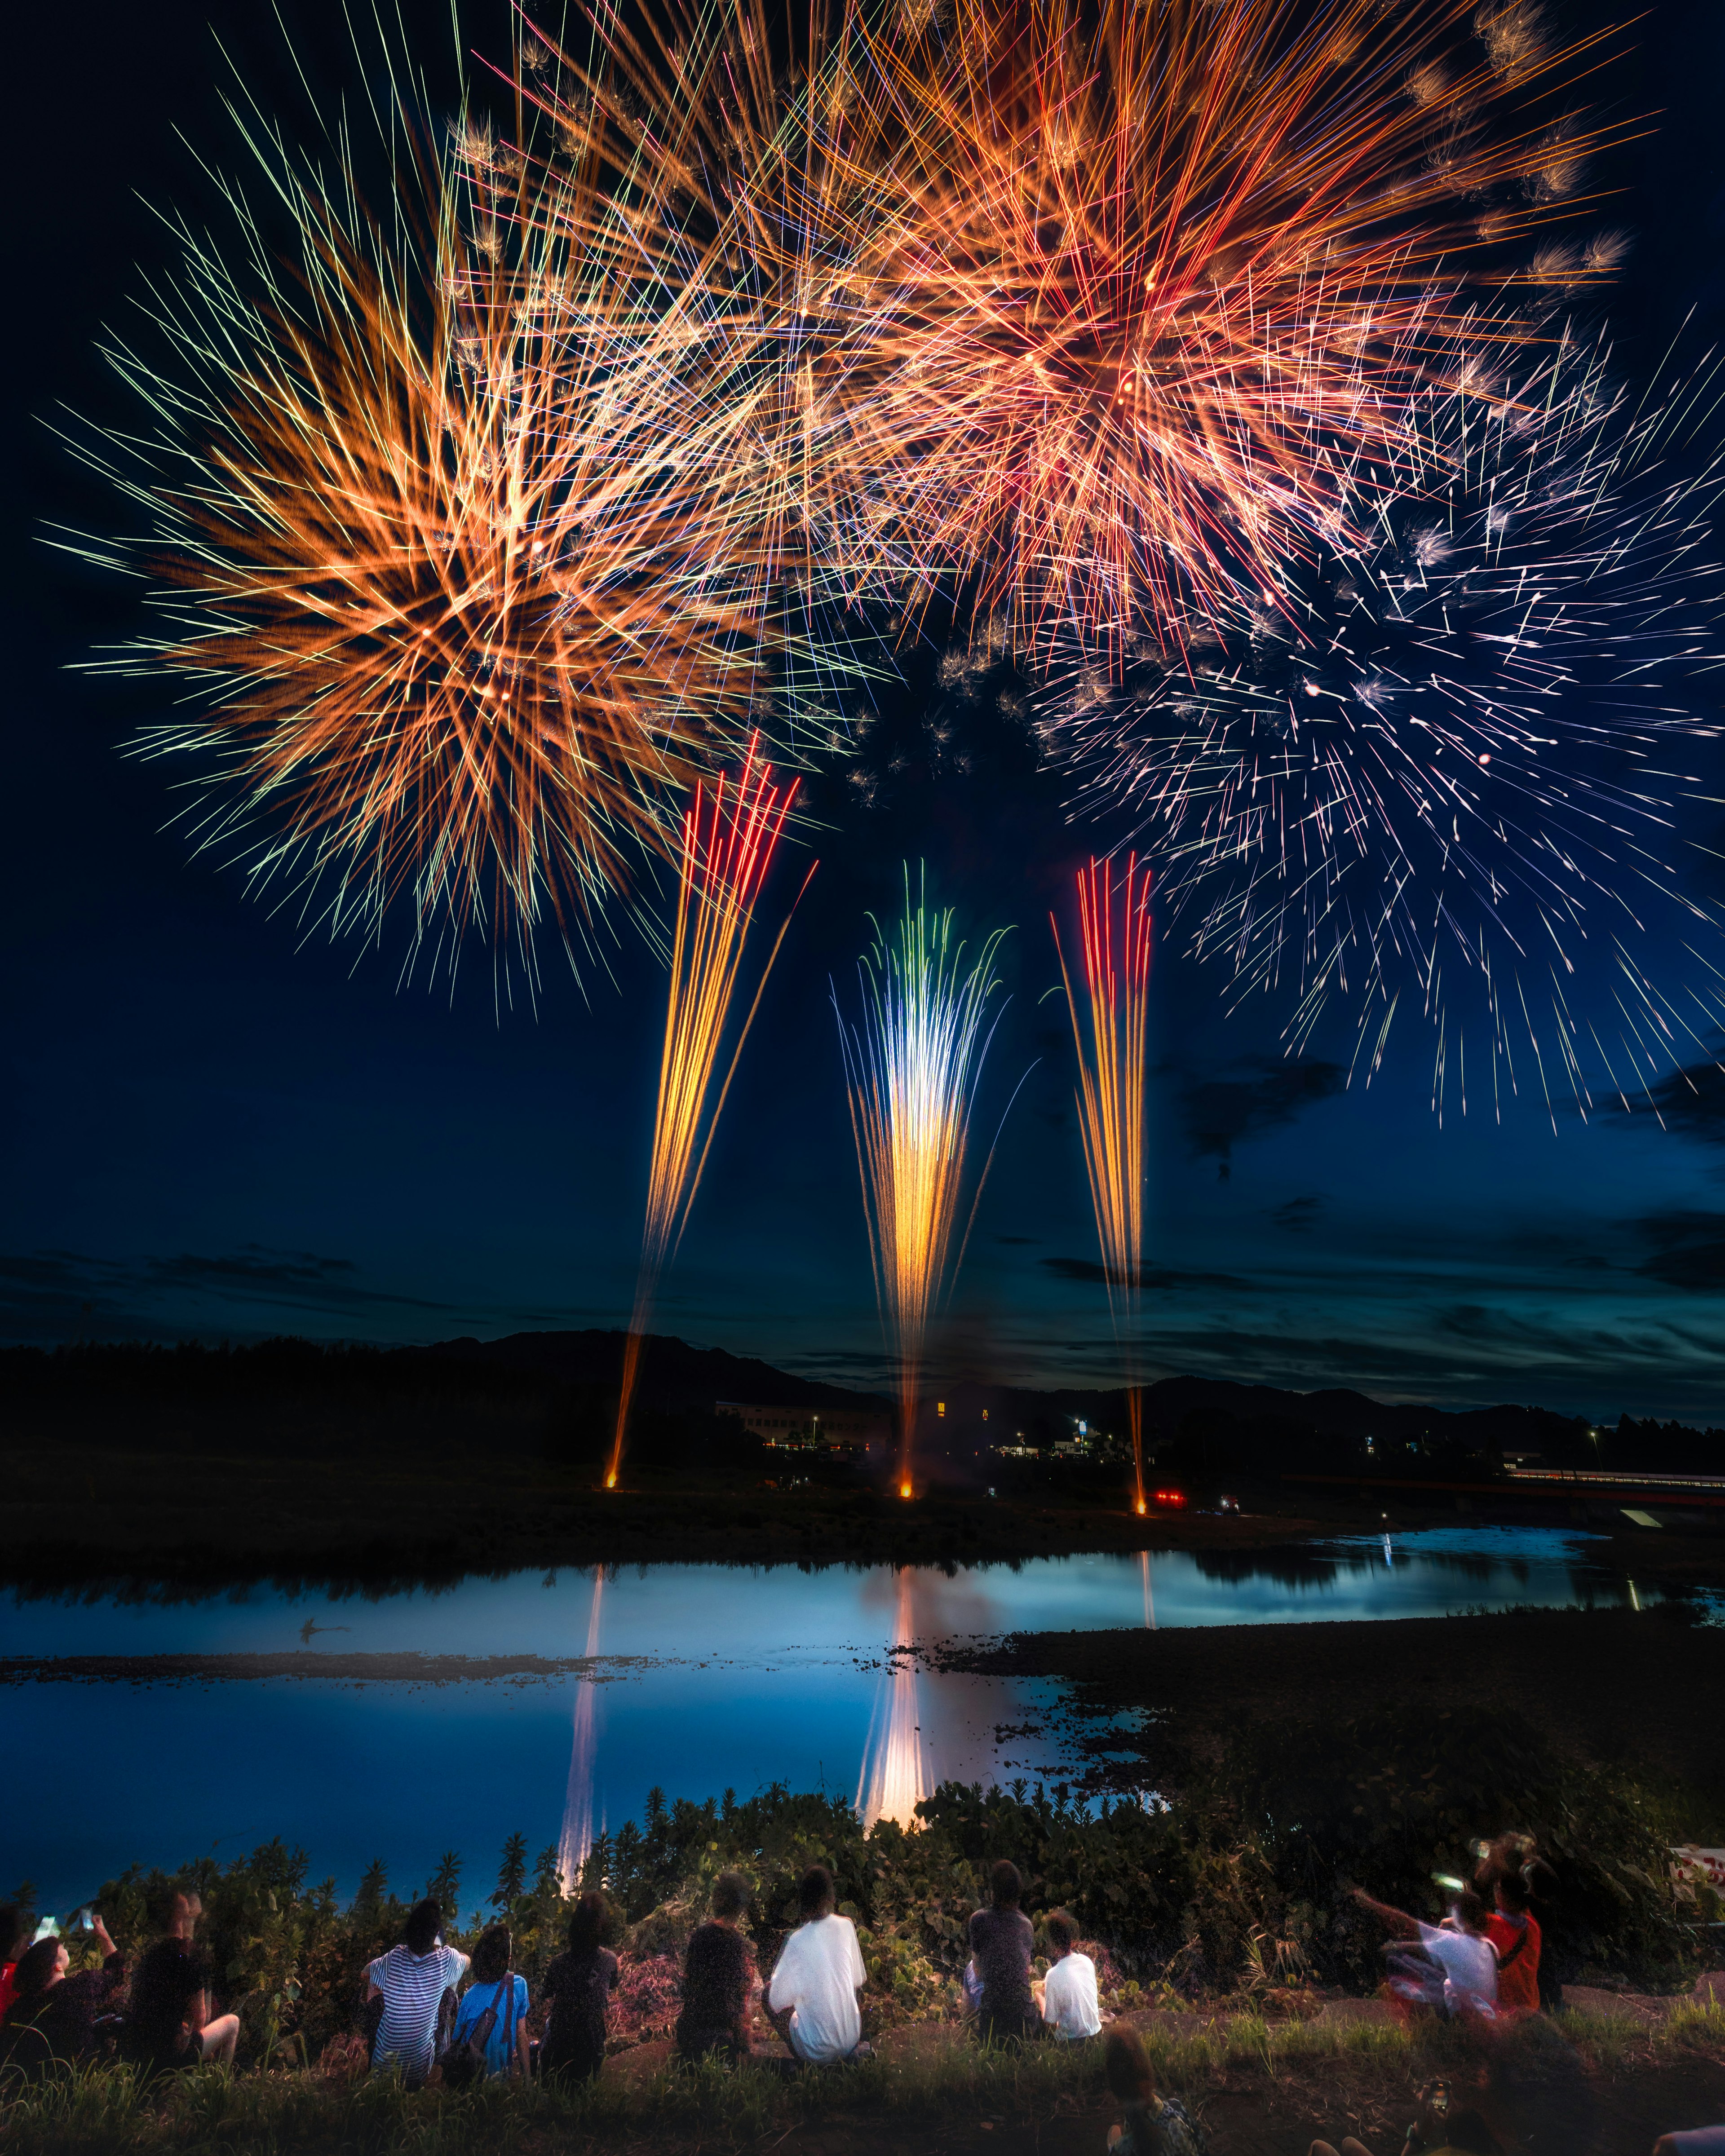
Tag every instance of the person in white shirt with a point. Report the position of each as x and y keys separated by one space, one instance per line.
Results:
x=411 y=1980
x=811 y=1999
x=1457 y=1970
x=1069 y=1990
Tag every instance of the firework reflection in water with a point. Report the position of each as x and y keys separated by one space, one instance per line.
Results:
x=895 y=1775
x=577 y=1838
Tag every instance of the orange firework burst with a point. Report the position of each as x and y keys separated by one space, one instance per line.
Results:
x=443 y=541
x=730 y=833
x=1085 y=302
x=1110 y=1040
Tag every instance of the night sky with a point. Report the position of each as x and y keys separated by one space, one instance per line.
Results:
x=214 y=1130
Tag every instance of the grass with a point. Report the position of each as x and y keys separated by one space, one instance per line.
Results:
x=100 y=2112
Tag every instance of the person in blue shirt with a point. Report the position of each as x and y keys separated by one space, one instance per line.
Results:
x=496 y=1990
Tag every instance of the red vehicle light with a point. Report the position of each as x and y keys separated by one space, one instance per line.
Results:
x=1174 y=1497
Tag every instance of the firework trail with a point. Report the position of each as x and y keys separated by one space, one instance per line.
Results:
x=895 y=1777
x=1458 y=755
x=730 y=831
x=576 y=1837
x=1081 y=308
x=461 y=596
x=1116 y=942
x=910 y=1070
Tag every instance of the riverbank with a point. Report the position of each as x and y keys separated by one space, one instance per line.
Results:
x=81 y=1516
x=1611 y=1687
x=78 y=1515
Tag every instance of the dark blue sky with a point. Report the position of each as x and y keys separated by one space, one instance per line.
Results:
x=213 y=1131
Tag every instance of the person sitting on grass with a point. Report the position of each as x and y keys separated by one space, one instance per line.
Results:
x=1001 y=1942
x=169 y=2026
x=718 y=1979
x=410 y=1980
x=811 y=1999
x=496 y=1991
x=1458 y=1972
x=52 y=2018
x=1069 y=1990
x=578 y=1985
x=1150 y=2125
x=1513 y=1930
x=18 y=1927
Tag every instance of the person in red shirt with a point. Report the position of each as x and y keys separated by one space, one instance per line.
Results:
x=18 y=1927
x=1513 y=1930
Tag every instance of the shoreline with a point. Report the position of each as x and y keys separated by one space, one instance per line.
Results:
x=86 y=1518
x=1610 y=1688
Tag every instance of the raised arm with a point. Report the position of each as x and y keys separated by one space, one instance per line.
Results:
x=1404 y=1927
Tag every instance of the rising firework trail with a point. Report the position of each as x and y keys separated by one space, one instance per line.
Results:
x=730 y=831
x=1109 y=1034
x=911 y=1069
x=1458 y=764
x=459 y=632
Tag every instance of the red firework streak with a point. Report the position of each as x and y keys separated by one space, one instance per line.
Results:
x=730 y=831
x=1109 y=1029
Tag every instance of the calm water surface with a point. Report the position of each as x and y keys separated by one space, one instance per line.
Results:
x=710 y=1678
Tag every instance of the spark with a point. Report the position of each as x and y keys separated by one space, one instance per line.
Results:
x=463 y=603
x=910 y=1071
x=1115 y=937
x=1082 y=307
x=731 y=833
x=1457 y=754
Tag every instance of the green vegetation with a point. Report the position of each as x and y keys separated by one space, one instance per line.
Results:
x=1237 y=1893
x=102 y=2113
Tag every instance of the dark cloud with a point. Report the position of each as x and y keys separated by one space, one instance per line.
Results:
x=1265 y=1095
x=1684 y=1250
x=56 y=1293
x=1151 y=1277
x=1692 y=1102
x=1299 y=1215
x=1023 y=1240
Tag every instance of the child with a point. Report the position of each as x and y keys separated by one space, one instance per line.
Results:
x=1152 y=2125
x=1068 y=1991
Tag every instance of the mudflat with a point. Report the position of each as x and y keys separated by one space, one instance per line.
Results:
x=1608 y=1684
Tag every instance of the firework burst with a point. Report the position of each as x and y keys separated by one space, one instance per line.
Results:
x=1458 y=751
x=1116 y=942
x=1086 y=306
x=730 y=831
x=912 y=1068
x=432 y=508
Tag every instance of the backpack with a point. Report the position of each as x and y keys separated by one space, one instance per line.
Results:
x=465 y=2062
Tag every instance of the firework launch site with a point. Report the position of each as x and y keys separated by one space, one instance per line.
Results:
x=354 y=1464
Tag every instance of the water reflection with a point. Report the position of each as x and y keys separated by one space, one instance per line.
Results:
x=378 y=1740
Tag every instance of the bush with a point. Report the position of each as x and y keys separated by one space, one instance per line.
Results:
x=1240 y=1887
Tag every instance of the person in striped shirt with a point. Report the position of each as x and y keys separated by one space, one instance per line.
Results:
x=411 y=1980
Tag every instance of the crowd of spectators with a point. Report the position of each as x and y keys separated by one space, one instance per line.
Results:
x=429 y=2014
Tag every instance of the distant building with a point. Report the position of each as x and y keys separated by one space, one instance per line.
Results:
x=810 y=1429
